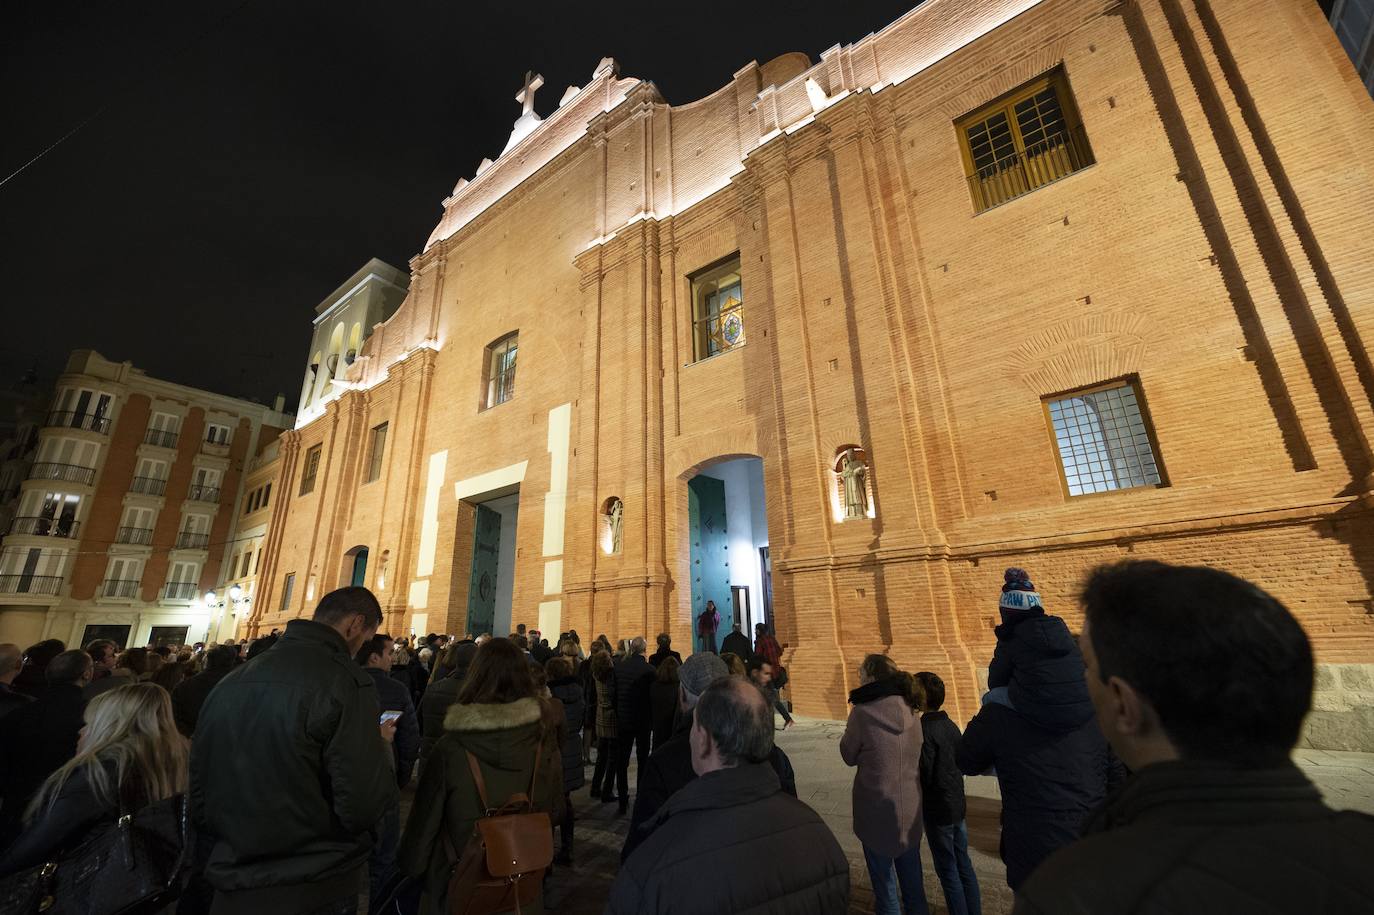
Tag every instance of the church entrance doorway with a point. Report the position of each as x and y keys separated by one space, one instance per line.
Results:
x=728 y=533
x=491 y=583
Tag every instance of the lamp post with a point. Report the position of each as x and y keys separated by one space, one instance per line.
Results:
x=237 y=602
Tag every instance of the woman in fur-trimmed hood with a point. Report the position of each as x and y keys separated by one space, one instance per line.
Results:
x=497 y=718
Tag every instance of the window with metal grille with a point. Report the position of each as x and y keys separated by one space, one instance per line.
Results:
x=1104 y=439
x=312 y=467
x=374 y=462
x=717 y=308
x=500 y=370
x=1022 y=141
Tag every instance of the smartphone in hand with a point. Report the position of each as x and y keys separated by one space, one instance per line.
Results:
x=390 y=716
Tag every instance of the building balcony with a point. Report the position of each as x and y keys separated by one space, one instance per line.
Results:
x=214 y=449
x=45 y=527
x=189 y=540
x=137 y=536
x=86 y=422
x=179 y=590
x=67 y=473
x=30 y=584
x=148 y=486
x=161 y=438
x=204 y=494
x=117 y=587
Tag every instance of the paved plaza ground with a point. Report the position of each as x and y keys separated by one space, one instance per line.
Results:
x=823 y=781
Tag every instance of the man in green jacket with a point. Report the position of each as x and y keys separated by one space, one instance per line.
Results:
x=291 y=769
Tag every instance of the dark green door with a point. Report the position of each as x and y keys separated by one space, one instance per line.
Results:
x=486 y=546
x=710 y=553
x=360 y=567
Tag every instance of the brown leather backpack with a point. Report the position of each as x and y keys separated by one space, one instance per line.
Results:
x=502 y=866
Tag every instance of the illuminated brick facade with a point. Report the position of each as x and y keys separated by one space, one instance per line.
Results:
x=1208 y=245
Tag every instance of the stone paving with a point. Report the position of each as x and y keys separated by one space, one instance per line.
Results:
x=823 y=781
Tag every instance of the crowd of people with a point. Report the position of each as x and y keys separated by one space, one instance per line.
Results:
x=1143 y=765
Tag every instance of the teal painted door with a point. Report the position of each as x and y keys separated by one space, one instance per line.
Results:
x=360 y=567
x=710 y=552
x=486 y=547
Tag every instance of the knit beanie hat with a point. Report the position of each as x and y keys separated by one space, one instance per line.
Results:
x=1019 y=595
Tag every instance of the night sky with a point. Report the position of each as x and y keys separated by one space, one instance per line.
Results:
x=242 y=159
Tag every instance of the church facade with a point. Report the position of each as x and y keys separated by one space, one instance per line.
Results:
x=1043 y=284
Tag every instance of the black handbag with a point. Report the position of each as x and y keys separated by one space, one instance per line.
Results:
x=138 y=864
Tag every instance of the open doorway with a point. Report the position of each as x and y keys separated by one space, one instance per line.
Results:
x=491 y=583
x=728 y=531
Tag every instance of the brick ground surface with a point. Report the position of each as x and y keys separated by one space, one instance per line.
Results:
x=823 y=781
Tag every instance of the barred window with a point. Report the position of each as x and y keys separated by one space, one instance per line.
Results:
x=1104 y=439
x=1022 y=141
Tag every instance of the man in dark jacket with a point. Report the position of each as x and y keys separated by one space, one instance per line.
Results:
x=768 y=852
x=737 y=643
x=670 y=766
x=1202 y=682
x=1037 y=729
x=631 y=681
x=289 y=773
x=665 y=650
x=11 y=662
x=375 y=659
x=40 y=737
x=189 y=695
x=942 y=801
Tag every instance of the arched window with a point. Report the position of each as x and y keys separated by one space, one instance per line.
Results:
x=499 y=371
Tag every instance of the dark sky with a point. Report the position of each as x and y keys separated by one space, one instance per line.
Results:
x=244 y=158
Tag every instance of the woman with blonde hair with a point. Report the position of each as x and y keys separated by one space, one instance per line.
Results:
x=128 y=755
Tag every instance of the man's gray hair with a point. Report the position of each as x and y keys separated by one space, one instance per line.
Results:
x=738 y=718
x=638 y=645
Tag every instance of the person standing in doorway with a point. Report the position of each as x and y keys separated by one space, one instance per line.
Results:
x=708 y=621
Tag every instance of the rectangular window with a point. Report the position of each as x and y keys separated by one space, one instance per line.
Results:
x=266 y=494
x=247 y=559
x=312 y=467
x=287 y=587
x=1022 y=141
x=374 y=463
x=1104 y=439
x=215 y=434
x=500 y=370
x=717 y=308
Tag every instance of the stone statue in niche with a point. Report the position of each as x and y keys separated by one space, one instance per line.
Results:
x=854 y=472
x=615 y=514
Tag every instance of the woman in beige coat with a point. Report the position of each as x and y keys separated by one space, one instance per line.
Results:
x=883 y=739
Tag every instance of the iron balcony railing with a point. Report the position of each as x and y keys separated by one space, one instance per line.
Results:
x=68 y=473
x=189 y=540
x=45 y=527
x=179 y=590
x=204 y=494
x=160 y=437
x=139 y=536
x=218 y=449
x=30 y=584
x=148 y=486
x=120 y=587
x=1024 y=171
x=69 y=419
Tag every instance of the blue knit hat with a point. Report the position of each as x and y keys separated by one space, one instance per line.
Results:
x=1018 y=594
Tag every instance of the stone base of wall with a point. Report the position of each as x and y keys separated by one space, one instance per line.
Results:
x=1342 y=715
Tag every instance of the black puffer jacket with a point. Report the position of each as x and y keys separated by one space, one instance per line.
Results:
x=942 y=784
x=630 y=680
x=568 y=690
x=289 y=774
x=732 y=841
x=1050 y=781
x=1038 y=661
x=1210 y=837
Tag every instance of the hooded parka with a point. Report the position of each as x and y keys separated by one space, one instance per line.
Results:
x=883 y=739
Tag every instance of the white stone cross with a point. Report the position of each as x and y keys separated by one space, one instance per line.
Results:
x=526 y=95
